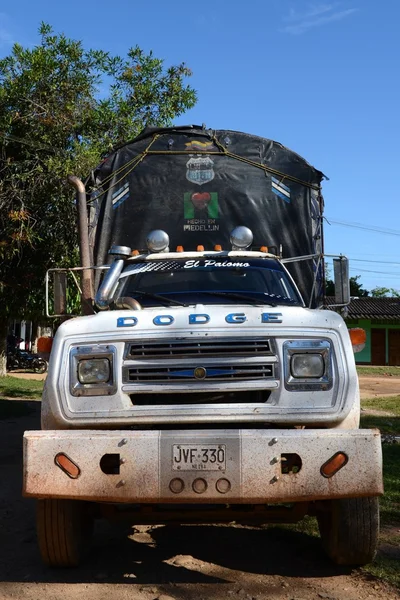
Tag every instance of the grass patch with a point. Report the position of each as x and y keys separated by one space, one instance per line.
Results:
x=13 y=387
x=390 y=423
x=390 y=404
x=390 y=502
x=387 y=565
x=385 y=568
x=394 y=371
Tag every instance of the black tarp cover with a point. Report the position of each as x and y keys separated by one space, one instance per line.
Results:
x=198 y=184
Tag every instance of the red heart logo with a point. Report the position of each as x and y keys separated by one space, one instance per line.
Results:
x=201 y=199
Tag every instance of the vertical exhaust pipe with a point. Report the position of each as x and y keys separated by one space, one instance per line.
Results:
x=83 y=235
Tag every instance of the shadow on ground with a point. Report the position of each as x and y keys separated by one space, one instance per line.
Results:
x=170 y=554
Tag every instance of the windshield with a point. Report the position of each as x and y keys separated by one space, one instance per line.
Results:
x=208 y=281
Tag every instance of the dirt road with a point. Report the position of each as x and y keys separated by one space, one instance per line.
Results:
x=381 y=386
x=185 y=563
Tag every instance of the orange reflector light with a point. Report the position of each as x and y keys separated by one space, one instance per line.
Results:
x=264 y=249
x=200 y=248
x=67 y=465
x=218 y=248
x=179 y=248
x=135 y=253
x=358 y=338
x=334 y=464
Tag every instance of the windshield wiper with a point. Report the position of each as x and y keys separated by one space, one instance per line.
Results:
x=239 y=296
x=158 y=297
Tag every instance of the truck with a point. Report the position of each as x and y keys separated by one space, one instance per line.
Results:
x=206 y=382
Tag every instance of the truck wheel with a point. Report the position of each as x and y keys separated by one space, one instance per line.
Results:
x=349 y=530
x=64 y=528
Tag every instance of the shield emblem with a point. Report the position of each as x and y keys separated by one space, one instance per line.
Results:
x=199 y=170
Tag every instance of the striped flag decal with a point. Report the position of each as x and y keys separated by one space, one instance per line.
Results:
x=120 y=195
x=281 y=190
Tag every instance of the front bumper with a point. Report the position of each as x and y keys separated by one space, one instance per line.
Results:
x=253 y=465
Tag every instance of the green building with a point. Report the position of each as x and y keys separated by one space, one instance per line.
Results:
x=380 y=317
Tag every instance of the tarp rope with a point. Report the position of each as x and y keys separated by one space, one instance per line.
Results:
x=223 y=152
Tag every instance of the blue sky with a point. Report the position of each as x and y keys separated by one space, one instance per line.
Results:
x=320 y=77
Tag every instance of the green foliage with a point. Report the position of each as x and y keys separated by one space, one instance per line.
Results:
x=62 y=108
x=384 y=292
x=356 y=289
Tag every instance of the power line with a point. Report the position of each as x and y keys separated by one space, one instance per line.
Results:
x=367 y=260
x=385 y=231
x=378 y=272
x=381 y=262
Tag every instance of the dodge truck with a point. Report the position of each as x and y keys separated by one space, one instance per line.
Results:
x=209 y=383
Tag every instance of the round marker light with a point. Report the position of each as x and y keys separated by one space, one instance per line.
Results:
x=176 y=485
x=241 y=238
x=157 y=241
x=223 y=486
x=199 y=486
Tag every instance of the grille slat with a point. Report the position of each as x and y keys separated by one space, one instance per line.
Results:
x=186 y=374
x=209 y=347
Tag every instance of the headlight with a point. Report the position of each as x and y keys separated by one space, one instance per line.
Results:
x=92 y=370
x=307 y=365
x=95 y=370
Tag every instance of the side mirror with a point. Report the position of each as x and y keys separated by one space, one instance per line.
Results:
x=60 y=292
x=342 y=280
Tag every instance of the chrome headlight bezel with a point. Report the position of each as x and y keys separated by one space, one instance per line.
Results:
x=104 y=388
x=321 y=347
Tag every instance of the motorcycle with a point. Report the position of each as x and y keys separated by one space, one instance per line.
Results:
x=20 y=359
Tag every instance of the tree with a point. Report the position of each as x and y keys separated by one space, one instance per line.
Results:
x=62 y=108
x=356 y=289
x=384 y=292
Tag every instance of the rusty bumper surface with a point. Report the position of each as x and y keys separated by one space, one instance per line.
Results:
x=250 y=466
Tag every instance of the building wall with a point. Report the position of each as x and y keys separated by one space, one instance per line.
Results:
x=364 y=357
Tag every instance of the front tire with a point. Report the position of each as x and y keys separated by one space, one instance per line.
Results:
x=349 y=530
x=64 y=528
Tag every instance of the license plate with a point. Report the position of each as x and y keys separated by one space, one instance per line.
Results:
x=198 y=457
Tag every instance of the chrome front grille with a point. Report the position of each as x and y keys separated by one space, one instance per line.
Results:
x=221 y=347
x=199 y=364
x=213 y=373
